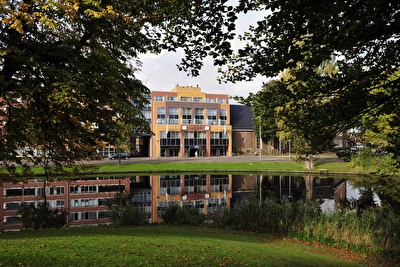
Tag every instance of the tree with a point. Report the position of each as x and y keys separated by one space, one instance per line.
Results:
x=67 y=68
x=335 y=56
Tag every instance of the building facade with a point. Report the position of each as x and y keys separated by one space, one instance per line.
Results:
x=187 y=122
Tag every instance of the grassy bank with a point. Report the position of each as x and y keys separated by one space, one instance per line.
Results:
x=181 y=167
x=164 y=246
x=333 y=167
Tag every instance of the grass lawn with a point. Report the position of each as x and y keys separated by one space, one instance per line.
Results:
x=332 y=167
x=164 y=246
x=182 y=167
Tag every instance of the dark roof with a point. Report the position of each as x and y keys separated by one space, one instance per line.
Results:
x=241 y=117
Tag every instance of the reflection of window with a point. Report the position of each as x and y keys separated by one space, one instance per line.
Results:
x=185 y=98
x=197 y=99
x=60 y=204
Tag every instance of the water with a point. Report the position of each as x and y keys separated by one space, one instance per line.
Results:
x=86 y=199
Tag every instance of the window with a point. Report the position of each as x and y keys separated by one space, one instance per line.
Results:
x=147 y=115
x=221 y=100
x=199 y=116
x=185 y=99
x=219 y=139
x=212 y=116
x=171 y=98
x=173 y=116
x=197 y=99
x=186 y=116
x=161 y=115
x=210 y=100
x=111 y=188
x=147 y=105
x=223 y=117
x=158 y=98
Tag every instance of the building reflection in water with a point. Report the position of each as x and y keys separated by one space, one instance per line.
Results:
x=86 y=199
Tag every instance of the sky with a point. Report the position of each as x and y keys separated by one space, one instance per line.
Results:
x=159 y=72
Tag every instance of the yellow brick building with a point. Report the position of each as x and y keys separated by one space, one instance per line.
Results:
x=187 y=122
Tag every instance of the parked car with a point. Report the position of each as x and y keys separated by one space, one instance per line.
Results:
x=120 y=156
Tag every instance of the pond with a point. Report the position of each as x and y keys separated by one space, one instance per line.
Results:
x=86 y=199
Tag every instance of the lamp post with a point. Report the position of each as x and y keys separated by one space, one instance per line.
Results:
x=158 y=148
x=260 y=140
x=259 y=133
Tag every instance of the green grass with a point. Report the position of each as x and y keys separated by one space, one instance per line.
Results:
x=201 y=166
x=161 y=246
x=182 y=167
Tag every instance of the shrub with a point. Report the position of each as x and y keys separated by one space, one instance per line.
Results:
x=345 y=155
x=364 y=159
x=272 y=216
x=175 y=214
x=125 y=213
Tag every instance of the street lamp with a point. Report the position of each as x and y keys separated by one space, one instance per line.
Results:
x=260 y=140
x=259 y=132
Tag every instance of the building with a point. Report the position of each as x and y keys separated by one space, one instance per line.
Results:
x=244 y=139
x=187 y=122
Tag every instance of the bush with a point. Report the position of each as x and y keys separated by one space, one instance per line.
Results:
x=270 y=216
x=364 y=159
x=42 y=217
x=345 y=155
x=125 y=213
x=175 y=214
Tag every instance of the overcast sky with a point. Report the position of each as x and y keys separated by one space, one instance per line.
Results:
x=159 y=72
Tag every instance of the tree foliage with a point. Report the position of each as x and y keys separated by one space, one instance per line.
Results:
x=337 y=61
x=67 y=68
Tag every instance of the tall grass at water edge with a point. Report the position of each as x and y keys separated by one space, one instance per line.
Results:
x=374 y=231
